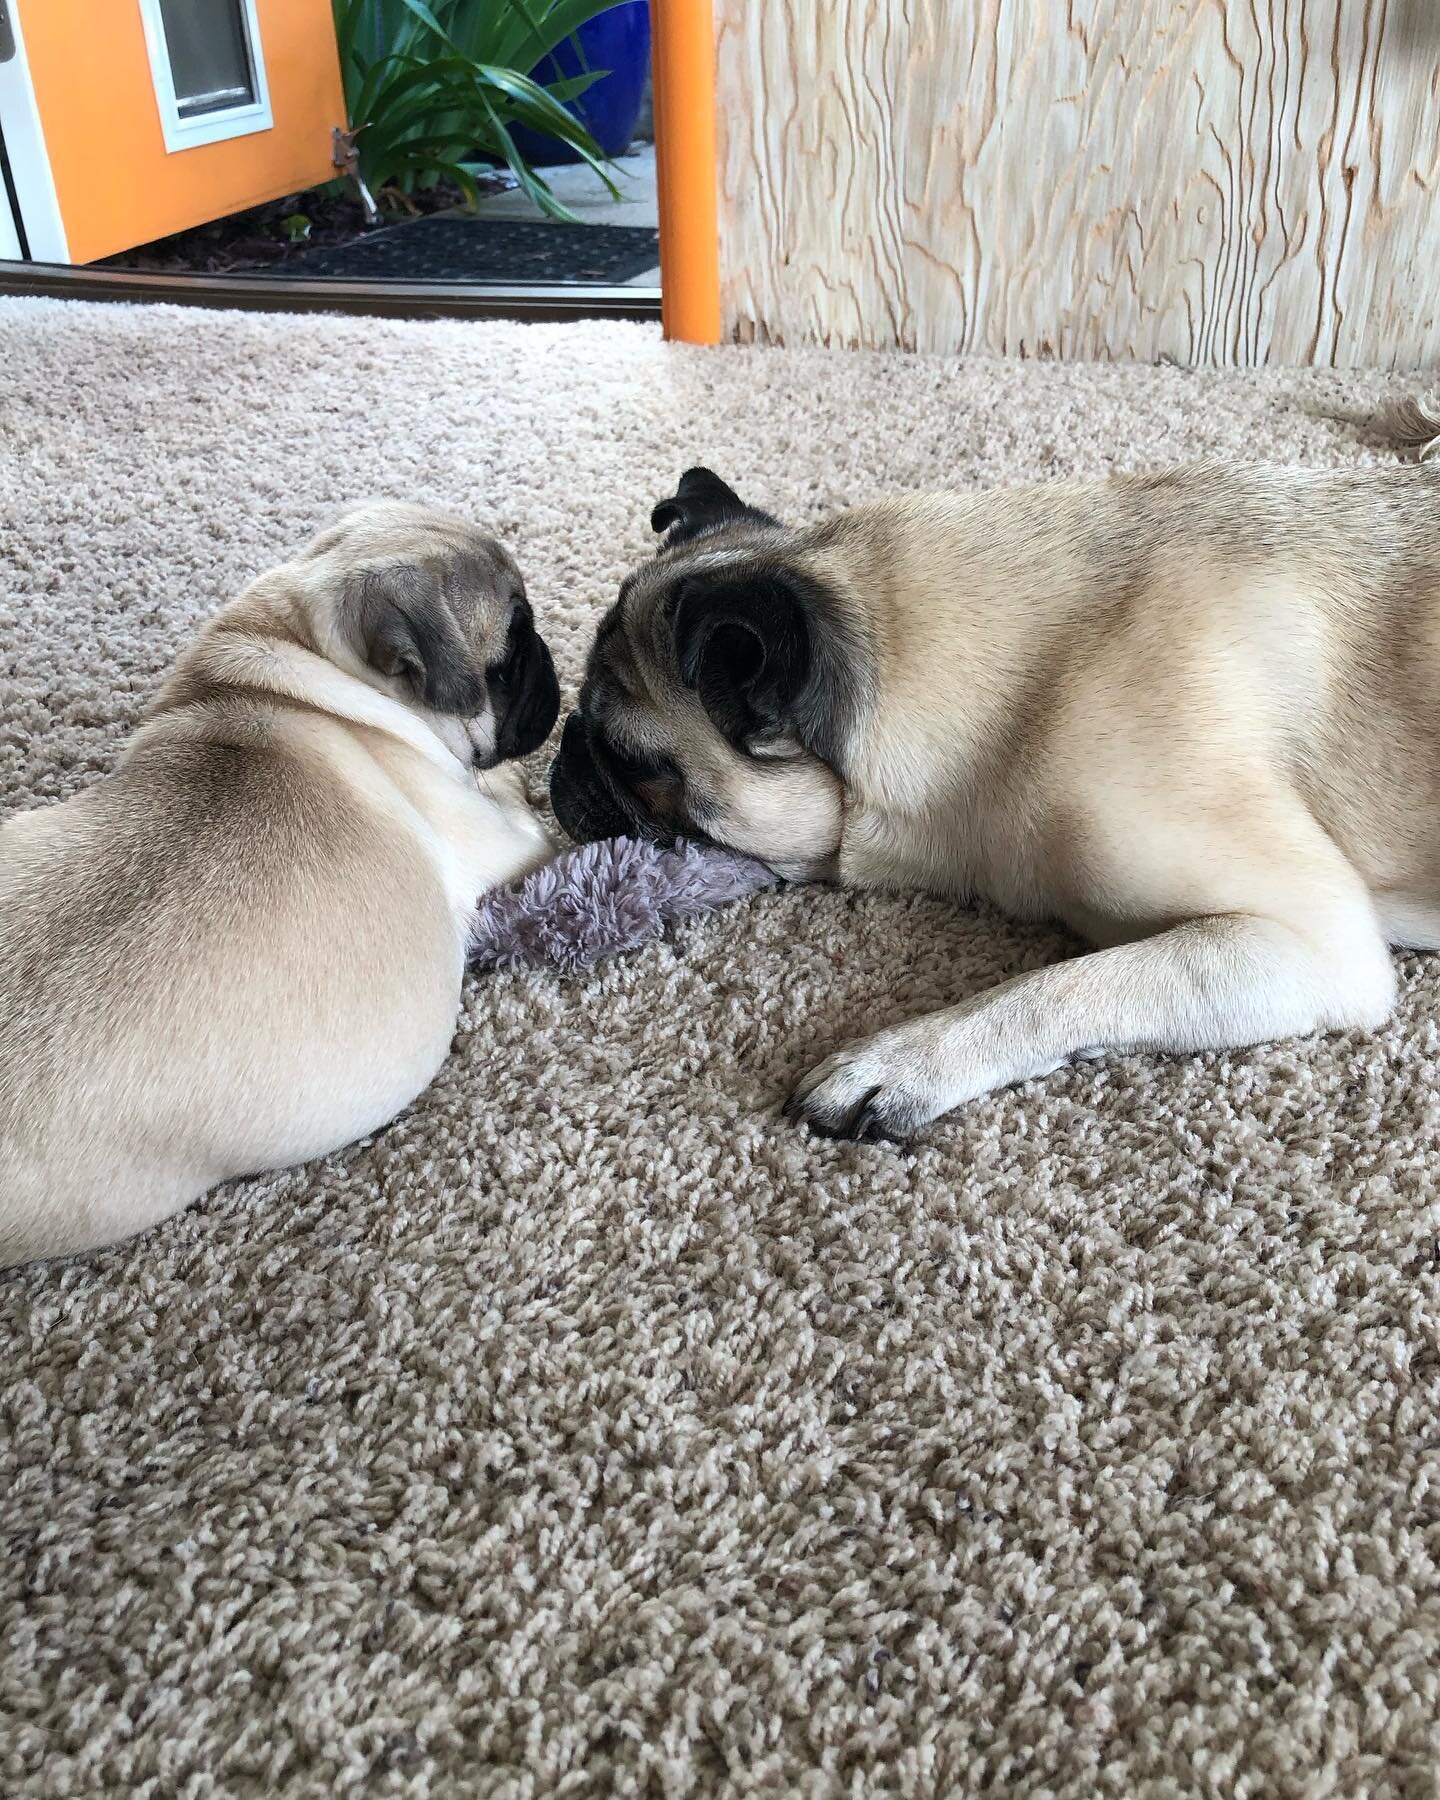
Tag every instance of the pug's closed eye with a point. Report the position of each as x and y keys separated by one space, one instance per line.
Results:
x=643 y=764
x=653 y=778
x=660 y=789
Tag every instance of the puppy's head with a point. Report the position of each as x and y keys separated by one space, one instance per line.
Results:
x=721 y=690
x=433 y=612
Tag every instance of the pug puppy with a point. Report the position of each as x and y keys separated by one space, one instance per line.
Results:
x=1192 y=714
x=245 y=948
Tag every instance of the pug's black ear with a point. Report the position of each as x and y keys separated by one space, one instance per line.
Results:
x=743 y=642
x=403 y=626
x=701 y=502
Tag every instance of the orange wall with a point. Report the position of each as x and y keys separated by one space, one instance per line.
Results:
x=116 y=183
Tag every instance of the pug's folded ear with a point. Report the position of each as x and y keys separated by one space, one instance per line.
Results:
x=701 y=503
x=402 y=625
x=743 y=643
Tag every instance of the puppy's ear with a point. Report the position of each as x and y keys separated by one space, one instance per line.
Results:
x=701 y=502
x=403 y=626
x=743 y=642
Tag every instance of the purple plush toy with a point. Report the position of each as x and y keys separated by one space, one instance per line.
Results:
x=600 y=898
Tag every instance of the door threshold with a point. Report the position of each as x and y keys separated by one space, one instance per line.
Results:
x=382 y=299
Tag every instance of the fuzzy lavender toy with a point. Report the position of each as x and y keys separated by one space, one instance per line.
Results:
x=600 y=898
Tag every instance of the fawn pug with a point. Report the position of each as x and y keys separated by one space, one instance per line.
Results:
x=1194 y=714
x=245 y=947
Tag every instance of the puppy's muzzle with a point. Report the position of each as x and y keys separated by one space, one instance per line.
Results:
x=530 y=703
x=584 y=803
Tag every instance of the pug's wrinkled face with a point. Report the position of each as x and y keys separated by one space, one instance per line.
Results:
x=719 y=693
x=433 y=612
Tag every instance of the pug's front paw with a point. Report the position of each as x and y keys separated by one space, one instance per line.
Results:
x=876 y=1089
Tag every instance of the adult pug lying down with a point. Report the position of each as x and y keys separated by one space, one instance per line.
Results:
x=1194 y=714
x=246 y=946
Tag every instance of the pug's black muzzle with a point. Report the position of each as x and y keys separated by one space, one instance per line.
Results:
x=532 y=698
x=585 y=803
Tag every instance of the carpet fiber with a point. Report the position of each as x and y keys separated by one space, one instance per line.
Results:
x=592 y=1431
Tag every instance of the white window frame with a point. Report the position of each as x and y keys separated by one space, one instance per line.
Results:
x=226 y=121
x=9 y=236
x=29 y=162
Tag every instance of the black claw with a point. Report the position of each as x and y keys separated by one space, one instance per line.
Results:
x=867 y=1125
x=861 y=1115
x=844 y=1125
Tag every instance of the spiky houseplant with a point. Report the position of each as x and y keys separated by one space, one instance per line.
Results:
x=429 y=84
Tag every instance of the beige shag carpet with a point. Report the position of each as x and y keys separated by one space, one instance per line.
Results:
x=592 y=1431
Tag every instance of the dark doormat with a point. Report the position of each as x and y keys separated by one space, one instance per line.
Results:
x=460 y=249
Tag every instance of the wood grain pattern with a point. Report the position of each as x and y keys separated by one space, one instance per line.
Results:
x=1213 y=181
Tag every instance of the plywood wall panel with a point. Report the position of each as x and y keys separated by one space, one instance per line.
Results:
x=1214 y=181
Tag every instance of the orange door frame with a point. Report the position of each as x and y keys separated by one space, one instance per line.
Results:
x=686 y=173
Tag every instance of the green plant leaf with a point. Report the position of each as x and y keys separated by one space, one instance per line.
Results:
x=347 y=26
x=534 y=106
x=426 y=17
x=380 y=85
x=430 y=82
x=573 y=86
x=414 y=87
x=530 y=30
x=534 y=185
x=463 y=179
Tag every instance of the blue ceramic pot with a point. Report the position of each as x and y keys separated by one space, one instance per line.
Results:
x=617 y=40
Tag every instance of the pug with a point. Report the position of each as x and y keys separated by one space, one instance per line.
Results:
x=245 y=947
x=1192 y=714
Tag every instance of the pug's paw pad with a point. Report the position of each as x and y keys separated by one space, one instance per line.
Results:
x=865 y=1092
